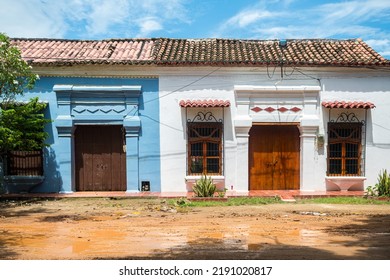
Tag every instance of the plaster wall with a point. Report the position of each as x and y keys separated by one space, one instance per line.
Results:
x=349 y=86
x=59 y=165
x=190 y=85
x=162 y=138
x=375 y=89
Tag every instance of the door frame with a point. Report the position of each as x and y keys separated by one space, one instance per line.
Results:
x=294 y=124
x=274 y=103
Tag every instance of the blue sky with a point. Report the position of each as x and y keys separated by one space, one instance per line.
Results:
x=238 y=19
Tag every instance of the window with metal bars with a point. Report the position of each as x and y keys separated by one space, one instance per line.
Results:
x=27 y=163
x=204 y=148
x=344 y=149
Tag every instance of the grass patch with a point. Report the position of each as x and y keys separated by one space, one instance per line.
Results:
x=342 y=200
x=234 y=201
x=237 y=201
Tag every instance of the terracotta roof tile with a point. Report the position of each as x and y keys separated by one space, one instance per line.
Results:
x=67 y=52
x=262 y=52
x=348 y=104
x=165 y=51
x=204 y=103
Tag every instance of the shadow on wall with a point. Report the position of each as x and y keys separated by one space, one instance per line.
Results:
x=228 y=125
x=53 y=180
x=50 y=182
x=49 y=127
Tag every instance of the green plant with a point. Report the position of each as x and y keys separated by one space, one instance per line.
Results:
x=383 y=185
x=204 y=187
x=15 y=76
x=221 y=193
x=182 y=202
x=22 y=126
x=371 y=191
x=15 y=73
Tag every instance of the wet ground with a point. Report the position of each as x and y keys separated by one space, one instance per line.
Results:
x=102 y=228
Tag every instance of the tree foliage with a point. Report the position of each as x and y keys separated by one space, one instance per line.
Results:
x=15 y=73
x=22 y=126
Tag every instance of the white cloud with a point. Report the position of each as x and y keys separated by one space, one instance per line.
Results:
x=245 y=18
x=355 y=11
x=164 y=9
x=380 y=45
x=26 y=18
x=147 y=26
x=356 y=19
x=249 y=18
x=89 y=18
x=104 y=15
x=288 y=19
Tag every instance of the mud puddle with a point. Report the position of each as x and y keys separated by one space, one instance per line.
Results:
x=138 y=229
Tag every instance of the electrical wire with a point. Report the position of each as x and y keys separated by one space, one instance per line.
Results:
x=314 y=78
x=183 y=87
x=136 y=110
x=273 y=73
x=292 y=72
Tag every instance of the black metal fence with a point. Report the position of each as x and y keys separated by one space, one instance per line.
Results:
x=24 y=163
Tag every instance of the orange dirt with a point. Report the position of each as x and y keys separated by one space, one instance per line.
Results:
x=102 y=228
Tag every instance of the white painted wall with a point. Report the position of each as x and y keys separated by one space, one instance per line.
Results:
x=173 y=126
x=213 y=83
x=376 y=90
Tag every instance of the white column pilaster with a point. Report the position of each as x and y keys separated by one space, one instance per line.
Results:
x=308 y=155
x=242 y=138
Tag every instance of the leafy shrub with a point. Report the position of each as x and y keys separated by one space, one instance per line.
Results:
x=371 y=191
x=22 y=126
x=221 y=193
x=382 y=188
x=182 y=202
x=383 y=185
x=204 y=187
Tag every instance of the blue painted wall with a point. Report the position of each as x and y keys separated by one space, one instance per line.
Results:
x=57 y=178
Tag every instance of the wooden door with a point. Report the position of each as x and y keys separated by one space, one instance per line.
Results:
x=100 y=158
x=274 y=157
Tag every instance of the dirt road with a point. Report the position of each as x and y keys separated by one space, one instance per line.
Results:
x=151 y=229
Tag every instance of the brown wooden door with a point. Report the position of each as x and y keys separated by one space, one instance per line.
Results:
x=274 y=157
x=100 y=158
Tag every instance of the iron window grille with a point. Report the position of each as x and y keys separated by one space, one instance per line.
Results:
x=346 y=146
x=24 y=163
x=205 y=152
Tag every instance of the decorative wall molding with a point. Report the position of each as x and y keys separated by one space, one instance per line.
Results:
x=269 y=109
x=346 y=117
x=82 y=104
x=101 y=109
x=204 y=117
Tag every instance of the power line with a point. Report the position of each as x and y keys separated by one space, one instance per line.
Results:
x=183 y=87
x=176 y=90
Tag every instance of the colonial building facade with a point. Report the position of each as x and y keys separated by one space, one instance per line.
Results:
x=156 y=114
